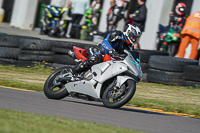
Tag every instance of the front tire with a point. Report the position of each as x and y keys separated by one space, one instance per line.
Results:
x=127 y=93
x=55 y=92
x=172 y=48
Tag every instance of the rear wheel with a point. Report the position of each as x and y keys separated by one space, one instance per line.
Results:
x=159 y=44
x=54 y=89
x=114 y=97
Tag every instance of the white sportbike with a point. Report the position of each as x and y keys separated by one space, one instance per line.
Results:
x=112 y=82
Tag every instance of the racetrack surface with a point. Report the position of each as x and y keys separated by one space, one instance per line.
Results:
x=140 y=120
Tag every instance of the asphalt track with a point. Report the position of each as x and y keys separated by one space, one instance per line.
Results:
x=131 y=118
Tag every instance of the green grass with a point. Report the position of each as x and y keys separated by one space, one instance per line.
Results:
x=191 y=109
x=158 y=96
x=21 y=84
x=20 y=122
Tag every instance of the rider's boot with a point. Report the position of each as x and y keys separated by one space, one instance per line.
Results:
x=77 y=69
x=71 y=54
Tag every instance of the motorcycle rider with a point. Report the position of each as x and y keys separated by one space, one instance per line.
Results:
x=178 y=17
x=113 y=45
x=50 y=12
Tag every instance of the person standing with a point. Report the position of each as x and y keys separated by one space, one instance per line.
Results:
x=66 y=18
x=112 y=16
x=190 y=34
x=123 y=6
x=79 y=7
x=139 y=17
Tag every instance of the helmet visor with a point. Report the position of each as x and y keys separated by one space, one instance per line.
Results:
x=133 y=37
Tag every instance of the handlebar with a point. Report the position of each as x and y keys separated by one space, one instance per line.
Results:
x=176 y=28
x=118 y=56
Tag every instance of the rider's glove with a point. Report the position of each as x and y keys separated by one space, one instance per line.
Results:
x=111 y=52
x=115 y=54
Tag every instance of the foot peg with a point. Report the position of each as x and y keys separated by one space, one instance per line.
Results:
x=71 y=54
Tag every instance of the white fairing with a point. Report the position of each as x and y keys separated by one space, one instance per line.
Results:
x=84 y=87
x=136 y=69
x=112 y=69
x=104 y=71
x=121 y=80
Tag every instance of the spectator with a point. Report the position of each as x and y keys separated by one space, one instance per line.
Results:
x=139 y=17
x=112 y=16
x=190 y=34
x=66 y=18
x=118 y=3
x=123 y=6
x=78 y=9
x=93 y=13
x=90 y=25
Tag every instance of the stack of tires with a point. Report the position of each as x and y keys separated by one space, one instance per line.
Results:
x=33 y=51
x=167 y=70
x=9 y=49
x=144 y=60
x=191 y=75
x=61 y=57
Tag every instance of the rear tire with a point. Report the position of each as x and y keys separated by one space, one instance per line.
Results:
x=55 y=94
x=124 y=97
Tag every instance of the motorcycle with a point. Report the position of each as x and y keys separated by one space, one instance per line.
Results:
x=112 y=82
x=169 y=40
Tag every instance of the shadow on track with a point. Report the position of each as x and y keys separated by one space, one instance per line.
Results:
x=99 y=104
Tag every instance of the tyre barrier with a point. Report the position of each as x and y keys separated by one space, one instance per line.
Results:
x=9 y=48
x=39 y=56
x=144 y=60
x=9 y=53
x=169 y=63
x=157 y=66
x=12 y=41
x=171 y=70
x=24 y=51
x=35 y=44
x=164 y=77
x=145 y=54
x=5 y=61
x=191 y=76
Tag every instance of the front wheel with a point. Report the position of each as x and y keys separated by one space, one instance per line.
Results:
x=172 y=48
x=54 y=89
x=116 y=97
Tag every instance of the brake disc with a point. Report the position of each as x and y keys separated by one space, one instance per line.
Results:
x=117 y=92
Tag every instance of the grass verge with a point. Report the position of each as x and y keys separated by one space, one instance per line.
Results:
x=20 y=122
x=168 y=98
